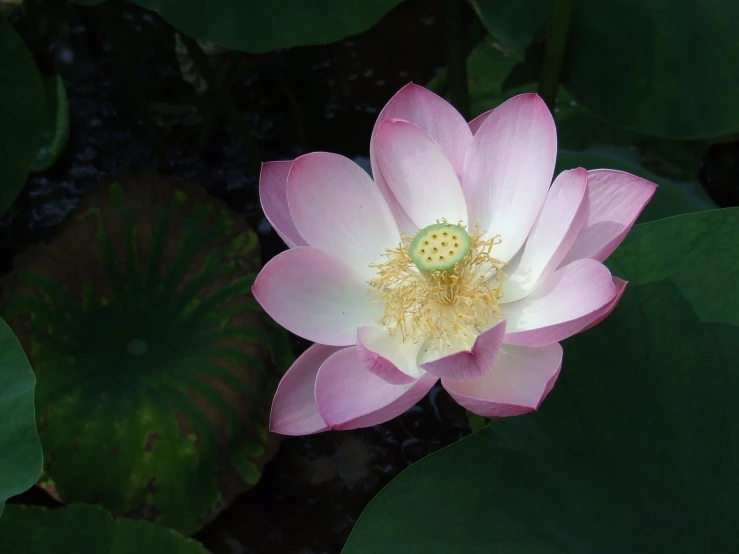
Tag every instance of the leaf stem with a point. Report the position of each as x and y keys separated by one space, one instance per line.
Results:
x=221 y=96
x=554 y=49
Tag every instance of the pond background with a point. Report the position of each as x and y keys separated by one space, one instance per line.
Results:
x=293 y=101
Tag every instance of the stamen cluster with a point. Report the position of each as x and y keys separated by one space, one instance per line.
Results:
x=441 y=308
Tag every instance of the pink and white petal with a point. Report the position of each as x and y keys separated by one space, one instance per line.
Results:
x=604 y=312
x=509 y=169
x=349 y=396
x=562 y=305
x=559 y=223
x=616 y=200
x=433 y=114
x=469 y=365
x=294 y=408
x=315 y=296
x=518 y=383
x=388 y=356
x=419 y=174
x=475 y=123
x=439 y=119
x=337 y=208
x=273 y=197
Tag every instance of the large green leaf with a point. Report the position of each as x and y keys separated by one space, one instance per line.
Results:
x=55 y=133
x=668 y=78
x=20 y=450
x=257 y=26
x=636 y=448
x=21 y=114
x=85 y=529
x=155 y=366
x=698 y=253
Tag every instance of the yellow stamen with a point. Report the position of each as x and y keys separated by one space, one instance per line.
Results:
x=440 y=307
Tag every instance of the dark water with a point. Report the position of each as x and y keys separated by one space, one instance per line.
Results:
x=293 y=101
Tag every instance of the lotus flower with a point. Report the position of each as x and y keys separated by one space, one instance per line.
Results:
x=460 y=261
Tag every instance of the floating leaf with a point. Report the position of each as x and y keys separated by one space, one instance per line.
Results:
x=634 y=450
x=668 y=79
x=86 y=529
x=56 y=131
x=155 y=366
x=20 y=450
x=258 y=27
x=21 y=113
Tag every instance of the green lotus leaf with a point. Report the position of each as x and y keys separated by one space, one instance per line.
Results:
x=258 y=27
x=85 y=529
x=21 y=113
x=666 y=76
x=20 y=450
x=155 y=365
x=56 y=127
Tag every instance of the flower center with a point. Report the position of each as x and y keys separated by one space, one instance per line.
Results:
x=441 y=287
x=439 y=247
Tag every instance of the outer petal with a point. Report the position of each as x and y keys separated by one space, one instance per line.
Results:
x=519 y=381
x=349 y=396
x=389 y=357
x=469 y=365
x=419 y=174
x=509 y=169
x=604 y=312
x=616 y=200
x=475 y=123
x=314 y=296
x=273 y=196
x=338 y=209
x=439 y=119
x=294 y=408
x=562 y=305
x=555 y=230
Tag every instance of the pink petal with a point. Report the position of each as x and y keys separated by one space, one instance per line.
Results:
x=518 y=383
x=315 y=296
x=294 y=408
x=509 y=169
x=273 y=196
x=469 y=365
x=388 y=356
x=349 y=396
x=555 y=230
x=606 y=310
x=475 y=123
x=419 y=174
x=439 y=119
x=562 y=305
x=616 y=200
x=337 y=208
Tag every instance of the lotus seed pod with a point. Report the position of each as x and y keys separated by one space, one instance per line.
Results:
x=155 y=367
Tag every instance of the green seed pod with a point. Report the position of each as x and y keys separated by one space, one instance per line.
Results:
x=439 y=247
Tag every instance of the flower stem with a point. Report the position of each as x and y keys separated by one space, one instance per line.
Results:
x=221 y=96
x=554 y=49
x=456 y=57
